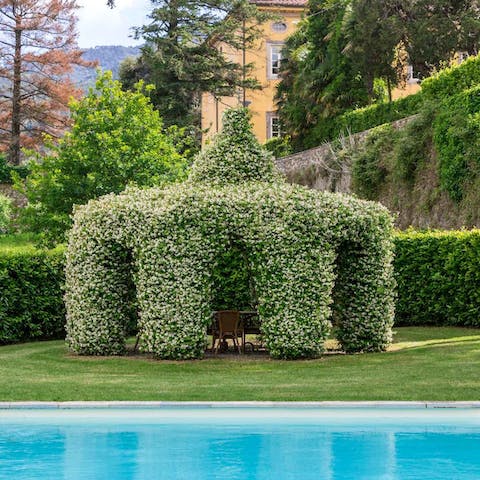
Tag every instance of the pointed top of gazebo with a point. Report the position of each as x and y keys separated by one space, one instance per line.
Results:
x=235 y=156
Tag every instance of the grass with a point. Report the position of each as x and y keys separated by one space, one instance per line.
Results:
x=18 y=241
x=422 y=364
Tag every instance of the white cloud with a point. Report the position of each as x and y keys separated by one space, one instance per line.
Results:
x=100 y=25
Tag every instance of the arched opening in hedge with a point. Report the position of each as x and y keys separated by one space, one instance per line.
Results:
x=234 y=204
x=233 y=283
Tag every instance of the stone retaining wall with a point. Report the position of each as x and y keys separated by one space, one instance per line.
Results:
x=322 y=168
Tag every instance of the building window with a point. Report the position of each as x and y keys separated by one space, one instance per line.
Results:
x=410 y=75
x=274 y=59
x=273 y=125
x=279 y=27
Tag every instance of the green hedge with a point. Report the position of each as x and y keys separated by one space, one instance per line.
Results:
x=6 y=171
x=361 y=119
x=457 y=140
x=438 y=278
x=445 y=83
x=437 y=273
x=31 y=294
x=453 y=80
x=368 y=117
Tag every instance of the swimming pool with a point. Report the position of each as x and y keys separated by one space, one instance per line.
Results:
x=236 y=442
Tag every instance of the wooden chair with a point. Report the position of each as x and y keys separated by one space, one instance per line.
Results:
x=229 y=327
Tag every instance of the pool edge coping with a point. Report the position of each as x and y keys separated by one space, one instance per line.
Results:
x=236 y=404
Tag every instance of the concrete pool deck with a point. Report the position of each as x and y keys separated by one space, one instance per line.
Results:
x=246 y=404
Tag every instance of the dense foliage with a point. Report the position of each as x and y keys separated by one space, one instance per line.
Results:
x=7 y=171
x=446 y=131
x=368 y=168
x=438 y=274
x=344 y=48
x=362 y=119
x=452 y=80
x=116 y=140
x=390 y=156
x=319 y=81
x=31 y=282
x=365 y=118
x=171 y=242
x=279 y=146
x=457 y=140
x=5 y=213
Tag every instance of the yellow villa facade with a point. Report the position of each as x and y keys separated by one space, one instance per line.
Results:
x=266 y=57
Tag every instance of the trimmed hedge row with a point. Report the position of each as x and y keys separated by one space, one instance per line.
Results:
x=437 y=273
x=438 y=278
x=31 y=295
x=453 y=80
x=361 y=119
x=369 y=117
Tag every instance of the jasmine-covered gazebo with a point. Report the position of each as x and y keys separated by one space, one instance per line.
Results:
x=315 y=258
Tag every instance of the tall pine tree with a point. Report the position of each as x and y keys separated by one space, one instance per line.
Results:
x=188 y=51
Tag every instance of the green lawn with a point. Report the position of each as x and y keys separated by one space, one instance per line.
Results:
x=17 y=241
x=423 y=364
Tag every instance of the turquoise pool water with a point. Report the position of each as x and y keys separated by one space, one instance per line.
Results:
x=240 y=443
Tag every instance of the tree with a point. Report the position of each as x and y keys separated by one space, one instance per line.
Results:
x=37 y=50
x=116 y=140
x=375 y=31
x=344 y=46
x=437 y=30
x=318 y=80
x=185 y=53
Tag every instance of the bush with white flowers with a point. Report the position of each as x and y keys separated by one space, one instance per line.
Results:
x=315 y=259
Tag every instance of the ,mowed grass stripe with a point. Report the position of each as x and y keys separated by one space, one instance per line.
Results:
x=425 y=363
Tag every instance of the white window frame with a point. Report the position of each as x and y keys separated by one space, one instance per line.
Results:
x=410 y=75
x=279 y=27
x=273 y=131
x=274 y=48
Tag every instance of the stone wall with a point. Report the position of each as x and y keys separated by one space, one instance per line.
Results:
x=323 y=168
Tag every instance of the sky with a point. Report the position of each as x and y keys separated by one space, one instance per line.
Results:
x=100 y=25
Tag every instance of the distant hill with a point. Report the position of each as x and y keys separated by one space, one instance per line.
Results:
x=109 y=57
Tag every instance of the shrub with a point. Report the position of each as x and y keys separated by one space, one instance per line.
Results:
x=457 y=140
x=6 y=171
x=453 y=80
x=5 y=213
x=279 y=146
x=116 y=140
x=413 y=145
x=172 y=241
x=368 y=168
x=31 y=306
x=368 y=117
x=438 y=278
x=362 y=119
